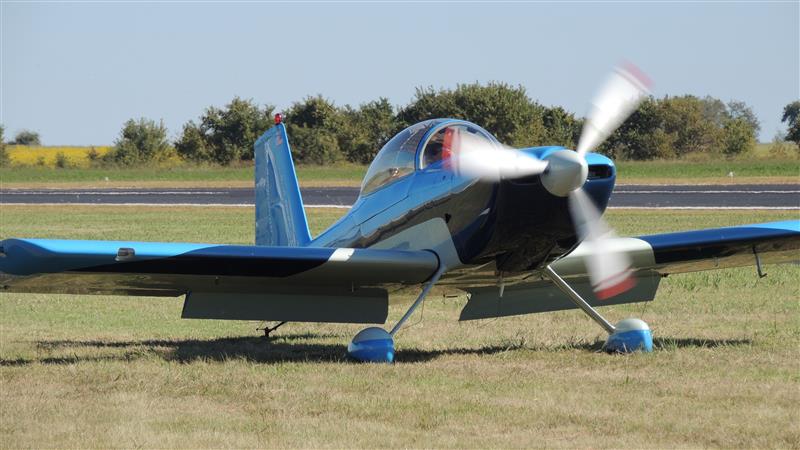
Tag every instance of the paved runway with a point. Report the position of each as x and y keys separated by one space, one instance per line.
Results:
x=625 y=196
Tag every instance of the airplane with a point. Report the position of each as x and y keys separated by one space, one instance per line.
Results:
x=443 y=203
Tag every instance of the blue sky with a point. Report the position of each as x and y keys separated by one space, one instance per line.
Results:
x=75 y=72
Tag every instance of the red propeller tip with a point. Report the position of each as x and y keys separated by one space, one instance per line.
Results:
x=607 y=291
x=637 y=74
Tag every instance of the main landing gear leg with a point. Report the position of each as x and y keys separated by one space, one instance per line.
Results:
x=628 y=335
x=374 y=344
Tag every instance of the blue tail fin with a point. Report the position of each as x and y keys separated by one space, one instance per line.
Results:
x=280 y=217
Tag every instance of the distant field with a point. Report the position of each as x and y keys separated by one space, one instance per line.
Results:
x=180 y=176
x=759 y=167
x=46 y=156
x=722 y=171
x=109 y=372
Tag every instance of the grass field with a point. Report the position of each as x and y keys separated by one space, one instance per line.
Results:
x=179 y=176
x=758 y=171
x=758 y=168
x=101 y=371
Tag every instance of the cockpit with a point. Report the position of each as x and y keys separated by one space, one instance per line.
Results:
x=437 y=140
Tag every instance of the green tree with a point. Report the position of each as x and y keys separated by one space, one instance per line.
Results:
x=740 y=110
x=315 y=145
x=503 y=110
x=225 y=135
x=193 y=144
x=791 y=115
x=715 y=111
x=141 y=141
x=315 y=129
x=314 y=112
x=642 y=136
x=560 y=127
x=738 y=137
x=685 y=118
x=27 y=137
x=366 y=129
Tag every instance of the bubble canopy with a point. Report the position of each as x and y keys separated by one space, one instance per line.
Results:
x=397 y=158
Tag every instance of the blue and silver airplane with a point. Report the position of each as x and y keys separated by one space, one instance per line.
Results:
x=443 y=203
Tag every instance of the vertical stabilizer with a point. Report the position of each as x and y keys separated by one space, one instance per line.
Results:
x=280 y=217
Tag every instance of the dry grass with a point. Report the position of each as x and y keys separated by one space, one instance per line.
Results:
x=123 y=372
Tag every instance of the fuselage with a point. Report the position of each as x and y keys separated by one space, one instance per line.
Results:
x=510 y=226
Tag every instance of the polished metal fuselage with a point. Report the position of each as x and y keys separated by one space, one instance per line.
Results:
x=509 y=228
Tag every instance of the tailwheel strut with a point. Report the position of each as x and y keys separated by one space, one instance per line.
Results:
x=628 y=335
x=268 y=330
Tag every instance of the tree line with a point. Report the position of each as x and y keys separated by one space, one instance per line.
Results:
x=321 y=132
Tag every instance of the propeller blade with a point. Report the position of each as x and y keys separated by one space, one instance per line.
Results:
x=609 y=269
x=625 y=89
x=477 y=157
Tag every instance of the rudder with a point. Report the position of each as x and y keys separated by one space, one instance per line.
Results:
x=280 y=217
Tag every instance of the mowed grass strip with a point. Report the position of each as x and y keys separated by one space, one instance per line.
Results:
x=182 y=175
x=722 y=171
x=104 y=371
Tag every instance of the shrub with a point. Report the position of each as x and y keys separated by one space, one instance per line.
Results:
x=27 y=137
x=61 y=160
x=505 y=111
x=192 y=145
x=780 y=148
x=140 y=141
x=92 y=155
x=738 y=137
x=315 y=145
x=225 y=135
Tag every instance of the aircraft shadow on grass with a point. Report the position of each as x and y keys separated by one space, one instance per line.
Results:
x=284 y=349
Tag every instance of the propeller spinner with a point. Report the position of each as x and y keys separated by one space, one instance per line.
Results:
x=564 y=172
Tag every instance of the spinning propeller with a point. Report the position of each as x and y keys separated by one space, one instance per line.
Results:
x=564 y=172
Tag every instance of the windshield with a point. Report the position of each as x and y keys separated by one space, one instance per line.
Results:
x=396 y=158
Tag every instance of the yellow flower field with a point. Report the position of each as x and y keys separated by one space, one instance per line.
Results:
x=34 y=155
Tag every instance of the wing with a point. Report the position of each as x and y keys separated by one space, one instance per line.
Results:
x=221 y=281
x=691 y=251
x=653 y=257
x=717 y=248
